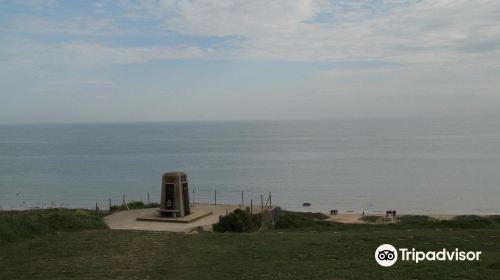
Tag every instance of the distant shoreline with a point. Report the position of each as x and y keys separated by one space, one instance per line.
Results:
x=356 y=218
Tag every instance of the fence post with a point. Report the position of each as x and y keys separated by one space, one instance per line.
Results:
x=270 y=201
x=261 y=204
x=96 y=209
x=109 y=200
x=242 y=201
x=123 y=200
x=215 y=197
x=148 y=199
x=251 y=206
x=193 y=196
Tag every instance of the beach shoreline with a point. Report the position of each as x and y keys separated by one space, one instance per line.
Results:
x=350 y=218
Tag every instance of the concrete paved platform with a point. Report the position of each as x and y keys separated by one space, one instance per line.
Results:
x=128 y=219
x=155 y=217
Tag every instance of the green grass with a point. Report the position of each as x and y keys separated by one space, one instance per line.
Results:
x=15 y=225
x=305 y=247
x=303 y=221
x=105 y=254
x=416 y=220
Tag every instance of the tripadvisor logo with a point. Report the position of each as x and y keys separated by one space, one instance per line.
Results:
x=387 y=255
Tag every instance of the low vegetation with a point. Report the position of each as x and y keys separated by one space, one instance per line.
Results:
x=467 y=221
x=63 y=244
x=15 y=225
x=416 y=220
x=330 y=254
x=239 y=221
x=243 y=221
x=302 y=220
x=408 y=221
x=472 y=221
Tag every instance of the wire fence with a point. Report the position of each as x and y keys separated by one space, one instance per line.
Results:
x=197 y=196
x=288 y=200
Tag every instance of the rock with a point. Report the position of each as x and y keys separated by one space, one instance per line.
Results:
x=195 y=230
x=269 y=219
x=207 y=228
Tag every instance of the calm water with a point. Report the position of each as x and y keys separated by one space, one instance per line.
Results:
x=373 y=165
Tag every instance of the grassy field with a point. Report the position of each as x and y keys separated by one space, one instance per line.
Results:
x=327 y=252
x=18 y=225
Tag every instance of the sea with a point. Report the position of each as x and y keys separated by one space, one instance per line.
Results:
x=417 y=166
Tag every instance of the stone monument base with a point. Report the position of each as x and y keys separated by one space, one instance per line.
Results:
x=155 y=217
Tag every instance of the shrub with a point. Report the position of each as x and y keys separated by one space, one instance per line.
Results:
x=495 y=219
x=238 y=221
x=315 y=215
x=415 y=220
x=67 y=220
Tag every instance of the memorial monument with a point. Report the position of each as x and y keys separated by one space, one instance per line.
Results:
x=174 y=204
x=174 y=195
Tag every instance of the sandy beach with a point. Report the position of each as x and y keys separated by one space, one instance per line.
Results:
x=350 y=218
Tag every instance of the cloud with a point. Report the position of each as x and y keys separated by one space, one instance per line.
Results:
x=406 y=31
x=83 y=26
x=433 y=46
x=414 y=31
x=24 y=54
x=421 y=79
x=101 y=55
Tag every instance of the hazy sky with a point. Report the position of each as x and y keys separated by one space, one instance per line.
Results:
x=97 y=61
